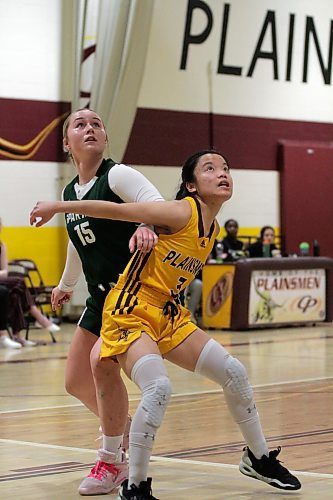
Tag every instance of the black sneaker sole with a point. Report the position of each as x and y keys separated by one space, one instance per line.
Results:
x=249 y=472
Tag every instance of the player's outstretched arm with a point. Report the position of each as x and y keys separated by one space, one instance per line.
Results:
x=172 y=215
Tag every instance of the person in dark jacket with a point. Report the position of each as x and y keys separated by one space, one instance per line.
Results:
x=264 y=244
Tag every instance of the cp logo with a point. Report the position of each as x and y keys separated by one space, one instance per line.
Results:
x=219 y=294
x=306 y=302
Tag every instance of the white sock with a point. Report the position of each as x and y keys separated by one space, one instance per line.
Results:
x=113 y=445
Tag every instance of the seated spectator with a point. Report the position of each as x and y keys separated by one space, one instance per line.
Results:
x=232 y=247
x=20 y=302
x=5 y=341
x=264 y=244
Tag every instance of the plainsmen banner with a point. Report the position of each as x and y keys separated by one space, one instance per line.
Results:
x=287 y=296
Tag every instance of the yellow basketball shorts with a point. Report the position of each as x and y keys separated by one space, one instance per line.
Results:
x=127 y=316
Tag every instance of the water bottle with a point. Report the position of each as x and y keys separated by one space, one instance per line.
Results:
x=316 y=248
x=266 y=249
x=219 y=252
x=304 y=249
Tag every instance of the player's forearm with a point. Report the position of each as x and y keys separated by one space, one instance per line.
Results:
x=72 y=270
x=92 y=208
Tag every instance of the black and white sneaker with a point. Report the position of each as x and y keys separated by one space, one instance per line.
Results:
x=141 y=492
x=268 y=469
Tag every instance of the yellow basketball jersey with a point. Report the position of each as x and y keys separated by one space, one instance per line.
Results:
x=175 y=260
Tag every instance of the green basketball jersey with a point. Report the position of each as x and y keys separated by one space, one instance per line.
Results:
x=102 y=244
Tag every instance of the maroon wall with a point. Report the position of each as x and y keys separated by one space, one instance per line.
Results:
x=163 y=137
x=21 y=121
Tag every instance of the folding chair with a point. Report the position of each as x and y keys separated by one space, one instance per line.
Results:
x=28 y=270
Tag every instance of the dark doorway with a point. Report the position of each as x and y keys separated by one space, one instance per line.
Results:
x=306 y=195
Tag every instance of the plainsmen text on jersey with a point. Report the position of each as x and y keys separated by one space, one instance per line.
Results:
x=175 y=260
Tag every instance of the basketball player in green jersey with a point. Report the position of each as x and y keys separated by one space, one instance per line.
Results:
x=99 y=248
x=143 y=320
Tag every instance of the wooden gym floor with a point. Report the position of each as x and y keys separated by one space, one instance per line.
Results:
x=47 y=438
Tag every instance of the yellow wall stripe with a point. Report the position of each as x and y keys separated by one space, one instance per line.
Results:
x=47 y=246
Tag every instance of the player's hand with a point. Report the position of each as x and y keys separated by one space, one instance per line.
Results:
x=59 y=298
x=42 y=212
x=144 y=239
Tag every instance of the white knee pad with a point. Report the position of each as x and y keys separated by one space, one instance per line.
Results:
x=217 y=364
x=155 y=400
x=150 y=374
x=238 y=382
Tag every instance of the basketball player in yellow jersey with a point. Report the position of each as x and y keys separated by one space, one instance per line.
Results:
x=152 y=283
x=142 y=319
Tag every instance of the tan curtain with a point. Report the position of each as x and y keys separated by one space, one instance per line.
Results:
x=108 y=79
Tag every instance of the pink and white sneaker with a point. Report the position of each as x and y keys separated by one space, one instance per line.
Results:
x=105 y=476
